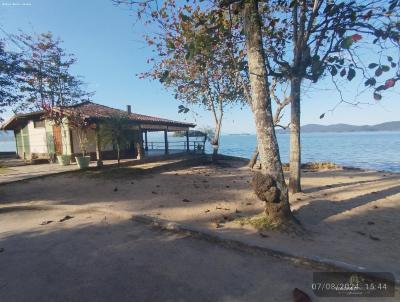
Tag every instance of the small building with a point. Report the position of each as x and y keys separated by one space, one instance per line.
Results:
x=37 y=137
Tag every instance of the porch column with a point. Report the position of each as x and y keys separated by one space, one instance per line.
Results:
x=146 y=147
x=99 y=154
x=166 y=141
x=187 y=141
x=139 y=146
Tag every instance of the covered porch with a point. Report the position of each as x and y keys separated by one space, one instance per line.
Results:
x=181 y=141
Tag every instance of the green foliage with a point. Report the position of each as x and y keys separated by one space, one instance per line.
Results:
x=117 y=131
x=43 y=74
x=10 y=69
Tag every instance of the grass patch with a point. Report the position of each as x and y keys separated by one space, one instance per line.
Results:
x=326 y=165
x=260 y=222
x=4 y=170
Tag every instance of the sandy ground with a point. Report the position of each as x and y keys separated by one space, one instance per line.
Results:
x=350 y=215
x=117 y=260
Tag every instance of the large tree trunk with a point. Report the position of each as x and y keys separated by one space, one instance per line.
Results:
x=295 y=151
x=269 y=186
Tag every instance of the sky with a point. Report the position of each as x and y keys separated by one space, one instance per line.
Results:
x=110 y=49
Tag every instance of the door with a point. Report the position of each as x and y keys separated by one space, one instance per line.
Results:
x=57 y=139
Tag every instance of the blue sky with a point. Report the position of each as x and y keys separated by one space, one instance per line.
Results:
x=110 y=52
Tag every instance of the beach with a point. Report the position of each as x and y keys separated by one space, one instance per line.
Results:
x=350 y=215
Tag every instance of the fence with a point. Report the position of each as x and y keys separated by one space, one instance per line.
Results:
x=194 y=146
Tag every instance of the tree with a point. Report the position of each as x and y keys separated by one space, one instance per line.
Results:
x=47 y=81
x=281 y=103
x=78 y=121
x=310 y=39
x=117 y=131
x=10 y=69
x=197 y=62
x=269 y=185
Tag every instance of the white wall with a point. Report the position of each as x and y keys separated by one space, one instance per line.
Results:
x=37 y=139
x=91 y=144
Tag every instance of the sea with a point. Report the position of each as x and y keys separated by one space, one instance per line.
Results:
x=368 y=150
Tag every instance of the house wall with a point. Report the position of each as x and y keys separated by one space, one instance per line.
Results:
x=91 y=147
x=108 y=150
x=37 y=140
x=49 y=137
x=66 y=138
x=19 y=143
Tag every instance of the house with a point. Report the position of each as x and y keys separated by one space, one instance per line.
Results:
x=40 y=138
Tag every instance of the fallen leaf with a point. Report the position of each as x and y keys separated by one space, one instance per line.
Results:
x=300 y=296
x=46 y=222
x=67 y=217
x=186 y=200
x=374 y=238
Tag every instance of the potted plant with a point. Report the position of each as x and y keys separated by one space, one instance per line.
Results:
x=80 y=124
x=82 y=160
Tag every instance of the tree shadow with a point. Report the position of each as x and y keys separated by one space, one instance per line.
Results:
x=346 y=184
x=125 y=261
x=324 y=208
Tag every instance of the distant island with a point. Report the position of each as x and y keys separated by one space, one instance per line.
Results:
x=239 y=134
x=388 y=126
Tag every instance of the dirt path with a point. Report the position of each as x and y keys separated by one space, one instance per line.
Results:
x=350 y=215
x=108 y=258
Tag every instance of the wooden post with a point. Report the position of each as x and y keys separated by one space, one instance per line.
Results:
x=204 y=143
x=146 y=147
x=166 y=141
x=99 y=154
x=187 y=141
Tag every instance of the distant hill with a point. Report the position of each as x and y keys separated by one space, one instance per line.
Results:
x=389 y=126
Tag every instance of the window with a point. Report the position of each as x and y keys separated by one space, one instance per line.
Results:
x=38 y=124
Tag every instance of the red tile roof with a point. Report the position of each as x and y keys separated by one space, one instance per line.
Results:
x=96 y=111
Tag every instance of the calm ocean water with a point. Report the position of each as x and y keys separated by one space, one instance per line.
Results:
x=370 y=150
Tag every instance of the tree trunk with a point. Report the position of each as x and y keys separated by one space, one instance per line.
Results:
x=295 y=151
x=272 y=189
x=118 y=156
x=215 y=140
x=253 y=159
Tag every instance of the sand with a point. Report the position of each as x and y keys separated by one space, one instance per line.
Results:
x=350 y=216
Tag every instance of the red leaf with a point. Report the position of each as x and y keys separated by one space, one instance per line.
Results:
x=389 y=83
x=356 y=37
